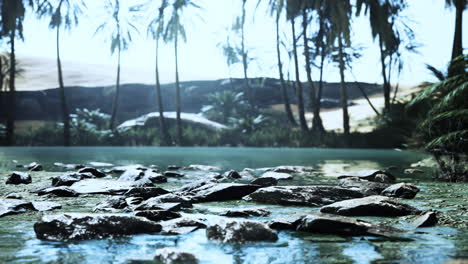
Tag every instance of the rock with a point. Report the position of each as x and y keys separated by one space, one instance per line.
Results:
x=61 y=191
x=145 y=192
x=401 y=190
x=70 y=179
x=195 y=185
x=82 y=226
x=69 y=166
x=265 y=181
x=166 y=202
x=158 y=215
x=425 y=220
x=34 y=166
x=14 y=196
x=366 y=187
x=202 y=168
x=117 y=202
x=240 y=231
x=173 y=256
x=370 y=206
x=347 y=226
x=43 y=206
x=280 y=176
x=174 y=167
x=100 y=164
x=14 y=206
x=103 y=186
x=247 y=212
x=413 y=171
x=122 y=169
x=132 y=175
x=173 y=174
x=17 y=177
x=302 y=195
x=286 y=223
x=180 y=226
x=371 y=175
x=232 y=174
x=155 y=177
x=293 y=169
x=97 y=173
x=223 y=192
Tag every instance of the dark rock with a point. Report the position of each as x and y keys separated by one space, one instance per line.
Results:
x=14 y=196
x=111 y=204
x=239 y=231
x=81 y=227
x=370 y=206
x=202 y=168
x=132 y=202
x=174 y=167
x=70 y=179
x=247 y=212
x=155 y=177
x=132 y=175
x=180 y=226
x=286 y=223
x=69 y=166
x=97 y=173
x=14 y=206
x=425 y=220
x=280 y=176
x=347 y=226
x=173 y=174
x=145 y=192
x=158 y=215
x=265 y=181
x=401 y=190
x=223 y=192
x=302 y=195
x=17 y=177
x=33 y=166
x=194 y=185
x=232 y=174
x=371 y=175
x=43 y=206
x=173 y=256
x=366 y=187
x=61 y=191
x=293 y=169
x=122 y=169
x=165 y=202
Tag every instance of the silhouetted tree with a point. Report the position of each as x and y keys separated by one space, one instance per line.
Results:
x=457 y=49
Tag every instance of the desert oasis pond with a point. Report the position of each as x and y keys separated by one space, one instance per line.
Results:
x=236 y=208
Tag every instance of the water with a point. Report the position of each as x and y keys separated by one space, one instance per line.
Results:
x=436 y=245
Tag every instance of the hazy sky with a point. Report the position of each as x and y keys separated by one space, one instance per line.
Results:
x=200 y=58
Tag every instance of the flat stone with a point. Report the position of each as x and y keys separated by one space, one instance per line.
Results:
x=14 y=206
x=401 y=190
x=181 y=226
x=103 y=186
x=165 y=202
x=17 y=177
x=425 y=220
x=370 y=206
x=247 y=212
x=286 y=223
x=223 y=192
x=61 y=191
x=14 y=196
x=145 y=192
x=97 y=173
x=240 y=231
x=158 y=215
x=280 y=176
x=172 y=256
x=366 y=187
x=265 y=181
x=371 y=175
x=70 y=179
x=187 y=188
x=82 y=226
x=43 y=206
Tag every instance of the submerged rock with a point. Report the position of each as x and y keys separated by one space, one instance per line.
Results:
x=366 y=187
x=401 y=190
x=14 y=206
x=82 y=226
x=370 y=206
x=280 y=176
x=223 y=192
x=302 y=195
x=425 y=220
x=158 y=215
x=61 y=191
x=239 y=231
x=174 y=256
x=371 y=175
x=247 y=212
x=17 y=177
x=265 y=181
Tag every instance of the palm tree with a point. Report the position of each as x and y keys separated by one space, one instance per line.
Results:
x=231 y=55
x=62 y=13
x=293 y=10
x=457 y=50
x=12 y=15
x=248 y=91
x=120 y=27
x=156 y=29
x=174 y=30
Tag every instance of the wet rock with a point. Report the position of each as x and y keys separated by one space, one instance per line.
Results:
x=265 y=181
x=240 y=231
x=371 y=175
x=145 y=192
x=104 y=186
x=82 y=227
x=370 y=206
x=280 y=176
x=195 y=185
x=100 y=164
x=202 y=168
x=43 y=206
x=34 y=166
x=69 y=166
x=173 y=174
x=413 y=171
x=111 y=204
x=155 y=177
x=122 y=169
x=168 y=202
x=425 y=220
x=61 y=191
x=132 y=175
x=17 y=177
x=247 y=212
x=14 y=196
x=97 y=173
x=14 y=206
x=302 y=195
x=180 y=226
x=286 y=223
x=347 y=226
x=293 y=169
x=401 y=190
x=174 y=167
x=174 y=256
x=232 y=174
x=223 y=192
x=158 y=215
x=366 y=187
x=70 y=179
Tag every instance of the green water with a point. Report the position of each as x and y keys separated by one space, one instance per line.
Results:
x=440 y=244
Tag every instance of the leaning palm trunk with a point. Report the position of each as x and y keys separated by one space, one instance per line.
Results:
x=300 y=100
x=457 y=49
x=178 y=107
x=63 y=101
x=284 y=92
x=165 y=141
x=343 y=90
x=117 y=91
x=10 y=125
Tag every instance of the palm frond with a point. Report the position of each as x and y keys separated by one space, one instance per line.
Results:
x=448 y=140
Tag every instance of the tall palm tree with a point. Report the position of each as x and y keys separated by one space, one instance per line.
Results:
x=12 y=16
x=62 y=13
x=156 y=29
x=120 y=27
x=174 y=30
x=457 y=49
x=248 y=89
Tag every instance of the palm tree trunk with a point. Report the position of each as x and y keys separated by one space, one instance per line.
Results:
x=117 y=91
x=165 y=141
x=10 y=125
x=386 y=84
x=300 y=100
x=344 y=91
x=287 y=105
x=65 y=113
x=320 y=89
x=178 y=107
x=457 y=49
x=247 y=90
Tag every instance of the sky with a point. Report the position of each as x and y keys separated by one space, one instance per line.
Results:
x=201 y=59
